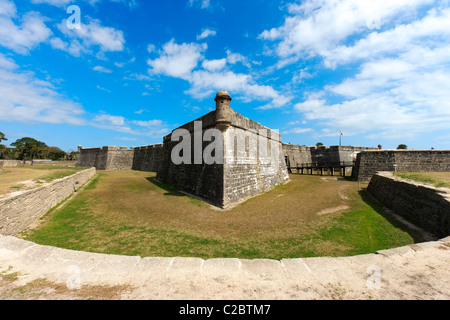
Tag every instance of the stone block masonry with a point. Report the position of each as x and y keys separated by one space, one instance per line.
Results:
x=296 y=155
x=369 y=162
x=106 y=158
x=21 y=209
x=243 y=169
x=9 y=163
x=421 y=204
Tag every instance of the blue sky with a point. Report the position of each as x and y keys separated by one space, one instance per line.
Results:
x=379 y=71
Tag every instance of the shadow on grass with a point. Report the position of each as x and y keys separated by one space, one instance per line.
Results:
x=170 y=191
x=376 y=206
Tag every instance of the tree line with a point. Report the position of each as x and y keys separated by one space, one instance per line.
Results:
x=28 y=149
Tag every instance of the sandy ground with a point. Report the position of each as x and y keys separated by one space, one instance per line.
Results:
x=31 y=271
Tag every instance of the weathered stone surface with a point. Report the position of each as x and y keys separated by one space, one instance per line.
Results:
x=19 y=210
x=395 y=274
x=9 y=163
x=241 y=173
x=296 y=155
x=369 y=162
x=422 y=204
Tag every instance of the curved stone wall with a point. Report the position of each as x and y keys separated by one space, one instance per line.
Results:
x=418 y=271
x=20 y=209
x=422 y=204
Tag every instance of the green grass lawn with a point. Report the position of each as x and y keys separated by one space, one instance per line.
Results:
x=29 y=177
x=129 y=213
x=437 y=179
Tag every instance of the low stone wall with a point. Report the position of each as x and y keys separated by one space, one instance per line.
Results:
x=369 y=162
x=19 y=210
x=422 y=204
x=296 y=155
x=9 y=163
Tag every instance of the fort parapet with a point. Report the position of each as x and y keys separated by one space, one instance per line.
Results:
x=296 y=155
x=242 y=171
x=248 y=160
x=370 y=162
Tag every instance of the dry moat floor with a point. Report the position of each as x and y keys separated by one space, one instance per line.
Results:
x=130 y=213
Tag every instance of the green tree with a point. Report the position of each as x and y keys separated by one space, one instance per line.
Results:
x=29 y=148
x=319 y=144
x=3 y=148
x=402 y=147
x=55 y=153
x=2 y=137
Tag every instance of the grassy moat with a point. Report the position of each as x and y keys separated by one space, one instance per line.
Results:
x=130 y=213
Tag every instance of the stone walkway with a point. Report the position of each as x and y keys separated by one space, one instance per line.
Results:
x=419 y=271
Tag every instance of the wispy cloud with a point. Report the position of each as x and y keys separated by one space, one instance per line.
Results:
x=400 y=84
x=182 y=61
x=41 y=103
x=102 y=69
x=91 y=36
x=26 y=36
x=206 y=33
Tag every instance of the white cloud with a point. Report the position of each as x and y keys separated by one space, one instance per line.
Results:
x=214 y=65
x=178 y=60
x=148 y=123
x=7 y=63
x=140 y=111
x=41 y=103
x=204 y=4
x=410 y=94
x=431 y=30
x=147 y=128
x=113 y=120
x=21 y=38
x=90 y=36
x=234 y=58
x=298 y=130
x=103 y=89
x=400 y=84
x=102 y=69
x=181 y=61
x=57 y=3
x=317 y=27
x=137 y=77
x=206 y=33
x=66 y=3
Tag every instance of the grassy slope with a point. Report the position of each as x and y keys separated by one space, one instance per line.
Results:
x=437 y=179
x=129 y=213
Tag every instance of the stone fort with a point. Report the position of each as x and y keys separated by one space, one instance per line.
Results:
x=249 y=158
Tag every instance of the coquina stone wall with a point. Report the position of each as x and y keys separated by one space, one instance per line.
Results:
x=240 y=171
x=422 y=204
x=145 y=158
x=20 y=209
x=296 y=155
x=91 y=157
x=118 y=158
x=9 y=163
x=253 y=160
x=148 y=158
x=369 y=162
x=193 y=176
